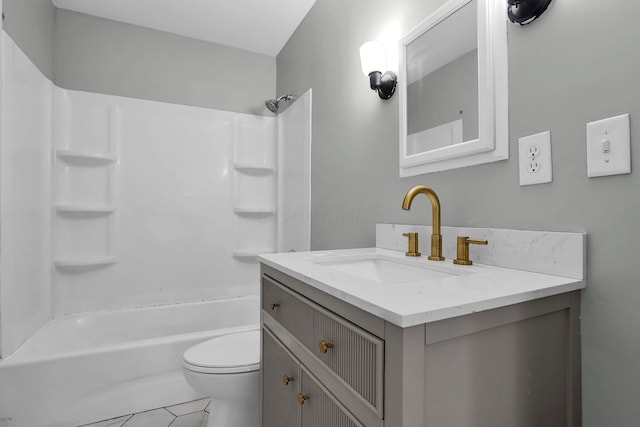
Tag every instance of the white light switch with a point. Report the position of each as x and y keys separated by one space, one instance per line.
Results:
x=609 y=146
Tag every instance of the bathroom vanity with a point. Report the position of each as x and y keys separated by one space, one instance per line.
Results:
x=369 y=337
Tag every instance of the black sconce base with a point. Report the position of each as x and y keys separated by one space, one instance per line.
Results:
x=524 y=12
x=385 y=83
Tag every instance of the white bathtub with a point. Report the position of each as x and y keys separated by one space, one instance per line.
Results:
x=84 y=368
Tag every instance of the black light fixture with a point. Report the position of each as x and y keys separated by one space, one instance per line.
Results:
x=373 y=59
x=524 y=12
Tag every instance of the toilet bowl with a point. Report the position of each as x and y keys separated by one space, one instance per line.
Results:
x=227 y=369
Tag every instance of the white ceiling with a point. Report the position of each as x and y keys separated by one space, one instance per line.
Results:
x=262 y=26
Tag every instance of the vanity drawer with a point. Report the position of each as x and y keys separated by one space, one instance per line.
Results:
x=349 y=352
x=288 y=310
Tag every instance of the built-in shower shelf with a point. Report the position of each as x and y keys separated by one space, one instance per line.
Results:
x=254 y=168
x=259 y=210
x=85 y=157
x=79 y=208
x=90 y=261
x=251 y=253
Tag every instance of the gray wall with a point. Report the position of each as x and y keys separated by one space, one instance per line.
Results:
x=99 y=55
x=578 y=63
x=30 y=23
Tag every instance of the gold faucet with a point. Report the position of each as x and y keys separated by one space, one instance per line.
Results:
x=436 y=237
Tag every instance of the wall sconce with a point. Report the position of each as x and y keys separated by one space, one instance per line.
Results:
x=373 y=59
x=524 y=12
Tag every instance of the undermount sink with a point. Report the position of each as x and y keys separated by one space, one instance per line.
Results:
x=388 y=270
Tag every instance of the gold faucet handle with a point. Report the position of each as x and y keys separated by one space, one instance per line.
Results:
x=463 y=249
x=413 y=244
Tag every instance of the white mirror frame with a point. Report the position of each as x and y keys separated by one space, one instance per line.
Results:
x=493 y=124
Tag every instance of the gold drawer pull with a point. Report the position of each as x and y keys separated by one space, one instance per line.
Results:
x=274 y=305
x=287 y=379
x=324 y=346
x=302 y=398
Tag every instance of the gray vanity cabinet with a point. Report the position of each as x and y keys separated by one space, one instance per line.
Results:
x=322 y=409
x=513 y=366
x=292 y=396
x=281 y=376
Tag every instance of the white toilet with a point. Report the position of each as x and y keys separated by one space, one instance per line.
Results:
x=227 y=369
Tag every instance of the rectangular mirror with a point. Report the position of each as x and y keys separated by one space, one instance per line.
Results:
x=453 y=88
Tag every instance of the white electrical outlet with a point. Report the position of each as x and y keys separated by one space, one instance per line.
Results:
x=534 y=153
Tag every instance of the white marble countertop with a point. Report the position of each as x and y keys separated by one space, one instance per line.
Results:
x=471 y=289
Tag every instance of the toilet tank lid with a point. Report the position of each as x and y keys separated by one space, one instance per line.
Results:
x=226 y=351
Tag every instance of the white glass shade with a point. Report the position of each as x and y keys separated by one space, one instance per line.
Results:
x=373 y=57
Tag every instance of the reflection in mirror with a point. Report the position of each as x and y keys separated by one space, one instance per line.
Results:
x=453 y=88
x=442 y=83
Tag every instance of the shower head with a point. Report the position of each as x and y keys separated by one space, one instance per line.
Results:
x=272 y=104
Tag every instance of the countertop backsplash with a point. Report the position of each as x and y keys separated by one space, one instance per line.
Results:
x=547 y=252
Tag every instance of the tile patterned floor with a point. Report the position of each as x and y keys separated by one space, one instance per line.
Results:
x=190 y=414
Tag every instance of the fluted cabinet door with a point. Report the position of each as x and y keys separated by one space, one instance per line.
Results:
x=355 y=356
x=320 y=408
x=279 y=384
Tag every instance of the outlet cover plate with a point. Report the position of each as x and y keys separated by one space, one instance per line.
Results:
x=609 y=146
x=534 y=154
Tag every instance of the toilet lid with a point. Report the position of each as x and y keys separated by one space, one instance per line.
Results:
x=237 y=352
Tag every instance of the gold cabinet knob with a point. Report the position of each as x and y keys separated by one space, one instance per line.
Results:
x=274 y=305
x=302 y=398
x=287 y=379
x=324 y=346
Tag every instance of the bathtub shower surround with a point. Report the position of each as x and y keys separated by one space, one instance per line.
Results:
x=90 y=367
x=159 y=204
x=130 y=204
x=294 y=176
x=25 y=200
